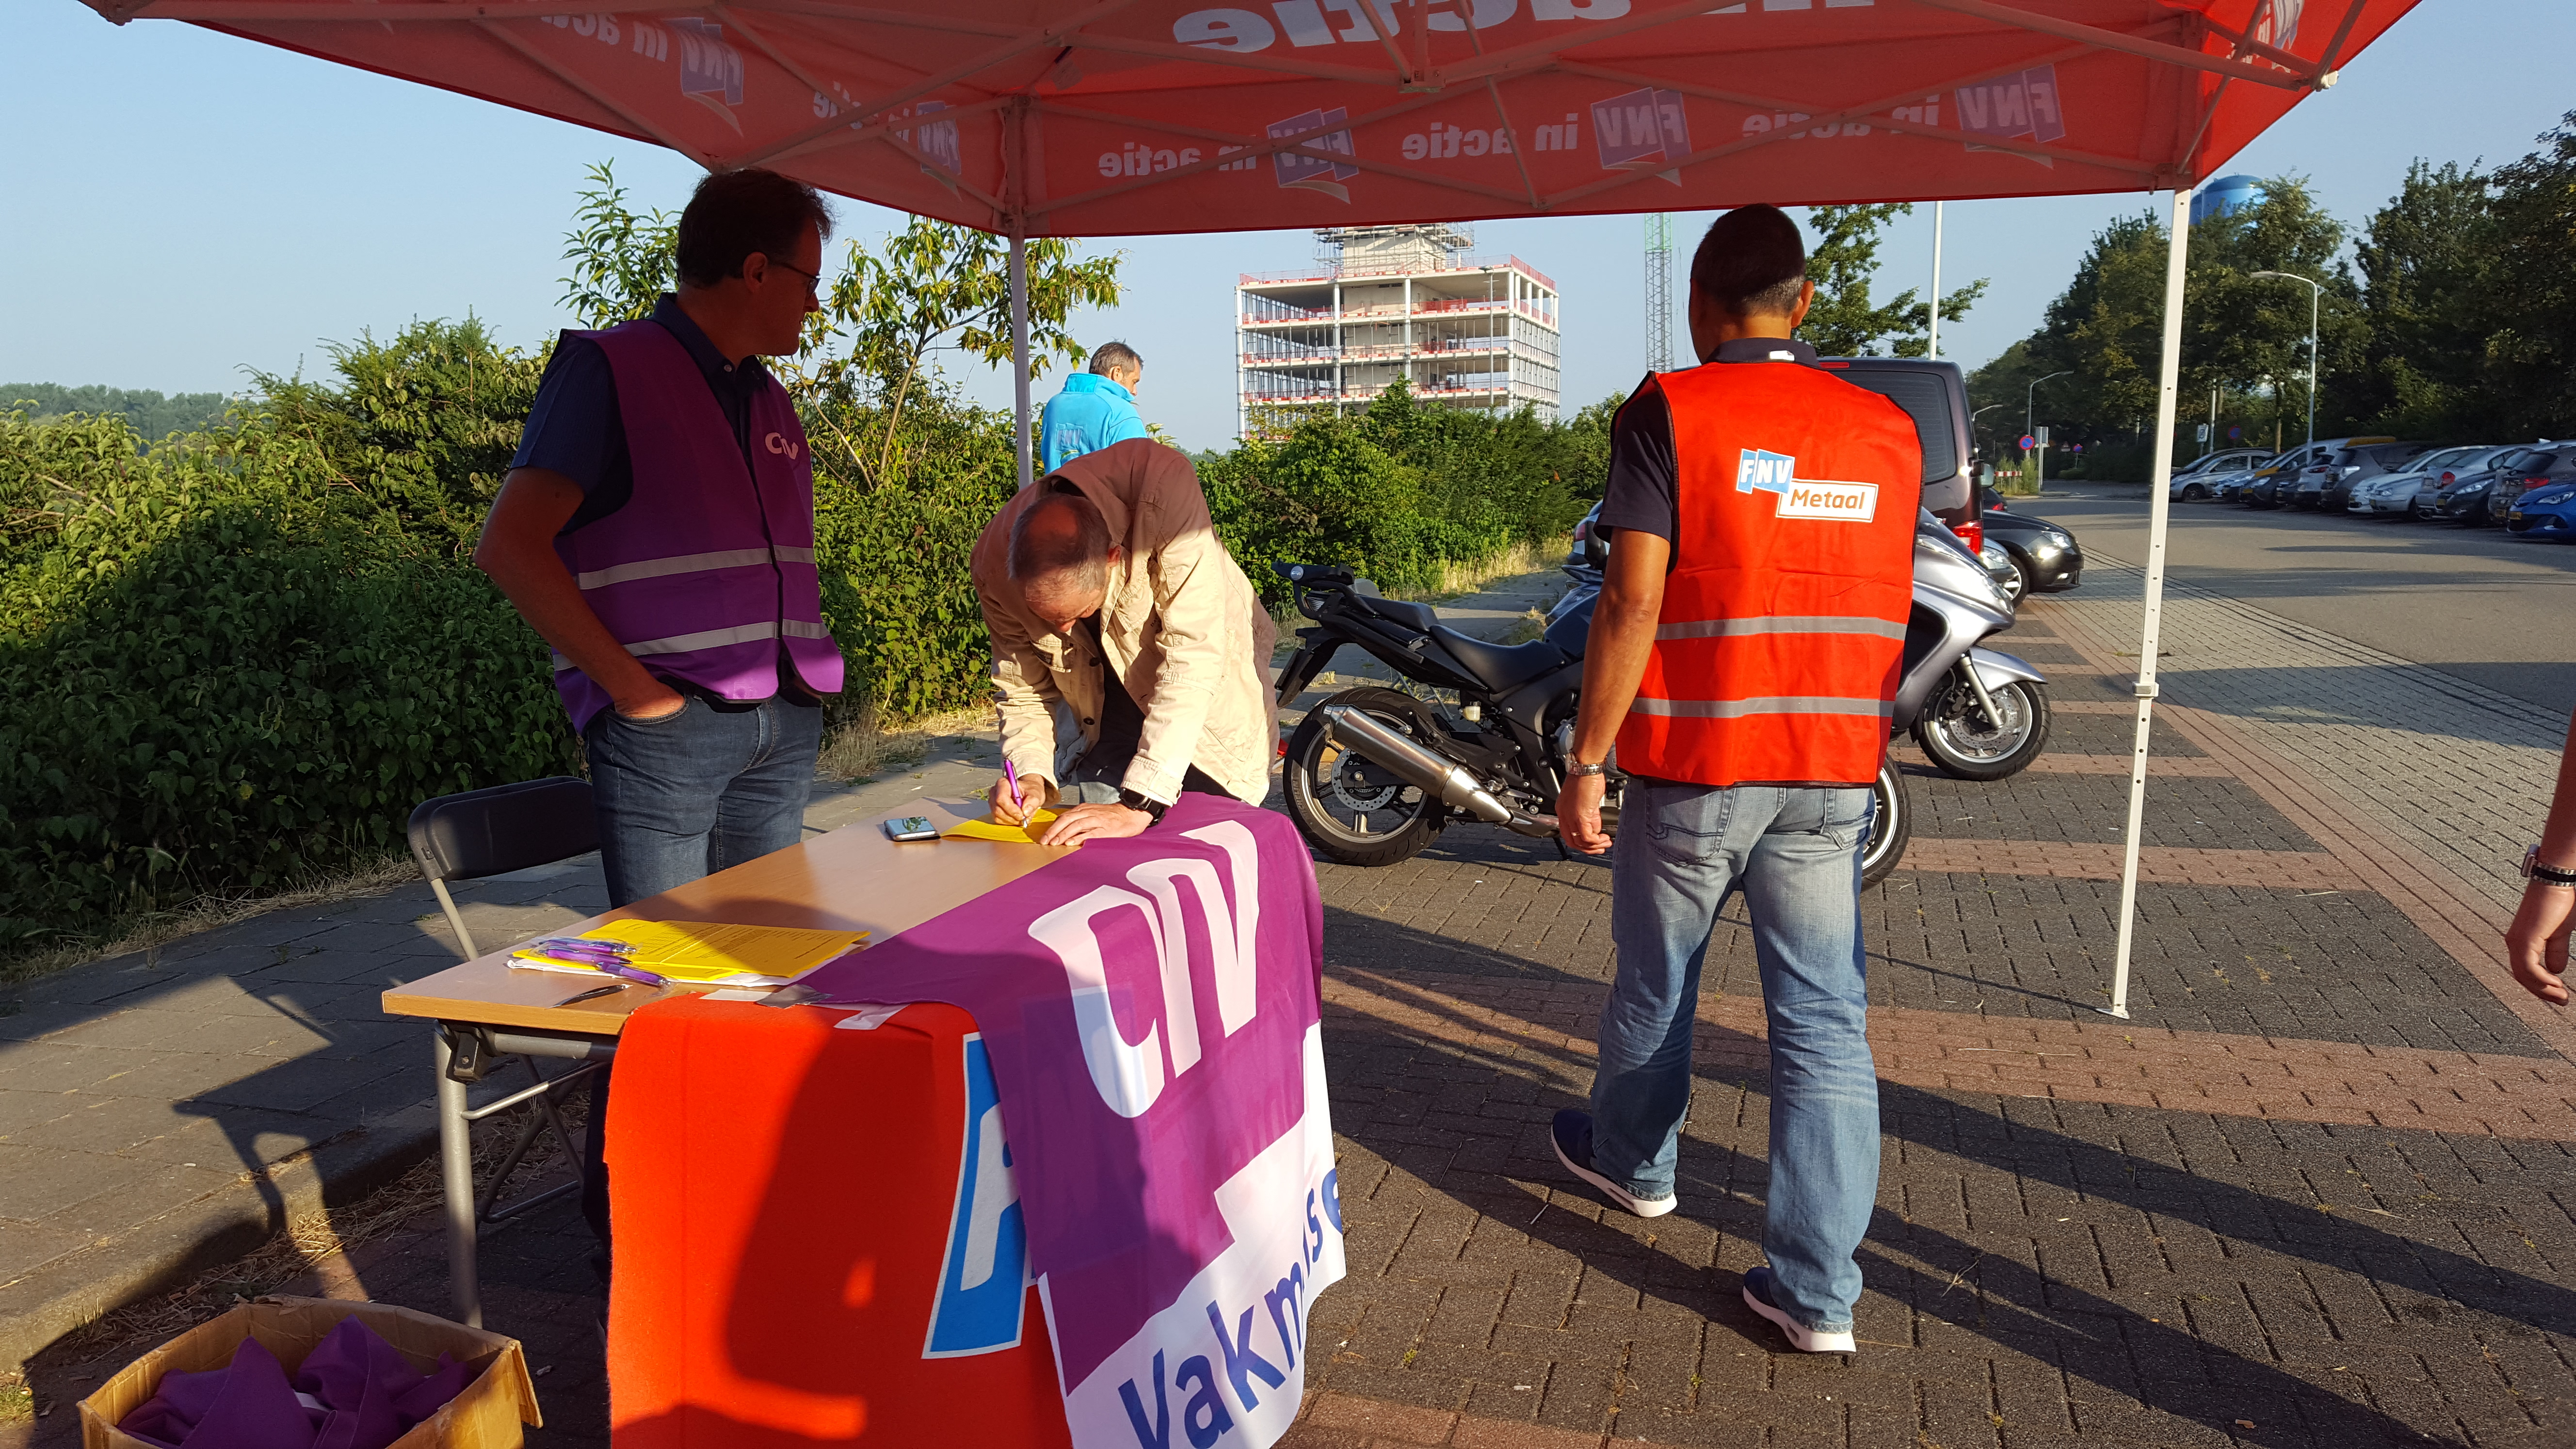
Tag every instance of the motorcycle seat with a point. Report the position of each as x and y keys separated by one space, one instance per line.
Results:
x=1410 y=615
x=1500 y=666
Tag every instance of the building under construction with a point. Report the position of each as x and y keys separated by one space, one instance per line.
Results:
x=1384 y=302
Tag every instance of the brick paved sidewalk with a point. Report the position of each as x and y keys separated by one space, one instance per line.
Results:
x=2315 y=1192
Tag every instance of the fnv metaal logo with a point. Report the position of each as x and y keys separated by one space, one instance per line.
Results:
x=1814 y=498
x=1768 y=472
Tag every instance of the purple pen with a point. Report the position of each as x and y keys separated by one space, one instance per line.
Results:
x=634 y=973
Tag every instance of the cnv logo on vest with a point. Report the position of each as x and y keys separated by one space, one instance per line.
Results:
x=1757 y=471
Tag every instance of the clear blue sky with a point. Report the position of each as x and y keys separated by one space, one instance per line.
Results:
x=183 y=205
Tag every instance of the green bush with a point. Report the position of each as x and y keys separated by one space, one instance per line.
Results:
x=1397 y=492
x=228 y=667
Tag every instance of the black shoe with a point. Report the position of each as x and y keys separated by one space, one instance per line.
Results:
x=1571 y=1135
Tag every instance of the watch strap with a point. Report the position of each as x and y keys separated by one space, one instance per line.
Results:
x=1135 y=800
x=1576 y=768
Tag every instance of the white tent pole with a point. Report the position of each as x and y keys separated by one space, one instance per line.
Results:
x=2168 y=370
x=1020 y=352
x=1933 y=350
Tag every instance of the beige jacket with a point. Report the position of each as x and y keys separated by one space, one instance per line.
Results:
x=1181 y=625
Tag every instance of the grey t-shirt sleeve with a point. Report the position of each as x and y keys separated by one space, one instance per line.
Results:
x=1644 y=490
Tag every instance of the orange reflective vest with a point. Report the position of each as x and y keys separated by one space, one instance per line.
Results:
x=1783 y=628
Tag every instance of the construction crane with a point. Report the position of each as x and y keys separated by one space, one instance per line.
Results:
x=1659 y=291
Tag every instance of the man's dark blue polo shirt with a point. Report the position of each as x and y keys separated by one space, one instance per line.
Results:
x=575 y=428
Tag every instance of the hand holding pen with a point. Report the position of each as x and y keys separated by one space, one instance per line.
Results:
x=1012 y=801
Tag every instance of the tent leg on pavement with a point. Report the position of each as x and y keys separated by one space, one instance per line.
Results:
x=2169 y=366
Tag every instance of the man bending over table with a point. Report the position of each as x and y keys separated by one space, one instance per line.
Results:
x=1105 y=589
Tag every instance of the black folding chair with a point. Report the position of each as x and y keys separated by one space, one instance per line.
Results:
x=468 y=837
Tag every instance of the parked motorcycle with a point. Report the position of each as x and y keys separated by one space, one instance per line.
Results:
x=1373 y=774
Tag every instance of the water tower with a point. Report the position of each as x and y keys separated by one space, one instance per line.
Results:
x=2226 y=196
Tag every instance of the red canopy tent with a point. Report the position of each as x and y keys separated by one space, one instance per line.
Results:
x=1116 y=117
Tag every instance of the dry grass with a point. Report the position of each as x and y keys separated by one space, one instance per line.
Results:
x=149 y=932
x=305 y=1249
x=17 y=1401
x=1530 y=627
x=1520 y=558
x=862 y=745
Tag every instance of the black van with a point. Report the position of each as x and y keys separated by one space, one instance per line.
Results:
x=1935 y=395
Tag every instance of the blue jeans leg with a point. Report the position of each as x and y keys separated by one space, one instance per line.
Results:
x=694 y=792
x=1795 y=854
x=1803 y=890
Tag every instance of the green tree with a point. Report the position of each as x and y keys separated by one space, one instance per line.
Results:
x=2428 y=264
x=622 y=262
x=153 y=416
x=1844 y=322
x=935 y=285
x=2529 y=371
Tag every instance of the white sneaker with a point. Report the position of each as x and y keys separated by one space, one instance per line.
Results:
x=1757 y=1296
x=1571 y=1136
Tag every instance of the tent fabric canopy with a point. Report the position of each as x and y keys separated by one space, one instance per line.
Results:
x=1121 y=117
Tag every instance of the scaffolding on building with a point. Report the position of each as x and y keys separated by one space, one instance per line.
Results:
x=1389 y=302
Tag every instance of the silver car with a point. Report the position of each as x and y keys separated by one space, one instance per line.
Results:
x=2207 y=477
x=2408 y=492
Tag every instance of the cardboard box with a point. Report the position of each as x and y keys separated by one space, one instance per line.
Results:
x=496 y=1401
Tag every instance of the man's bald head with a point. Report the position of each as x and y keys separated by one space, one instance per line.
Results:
x=1060 y=557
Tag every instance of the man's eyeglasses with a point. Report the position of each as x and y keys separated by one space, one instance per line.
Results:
x=813 y=280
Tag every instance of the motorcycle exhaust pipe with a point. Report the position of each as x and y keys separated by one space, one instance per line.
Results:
x=1449 y=783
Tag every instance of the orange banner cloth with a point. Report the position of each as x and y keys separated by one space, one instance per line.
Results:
x=783 y=1190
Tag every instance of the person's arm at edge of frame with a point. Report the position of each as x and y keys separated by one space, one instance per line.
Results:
x=517 y=551
x=1614 y=663
x=2536 y=943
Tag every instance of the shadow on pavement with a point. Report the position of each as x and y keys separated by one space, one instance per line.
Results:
x=2002 y=1304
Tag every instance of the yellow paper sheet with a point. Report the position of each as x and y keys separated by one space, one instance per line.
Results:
x=709 y=951
x=1013 y=834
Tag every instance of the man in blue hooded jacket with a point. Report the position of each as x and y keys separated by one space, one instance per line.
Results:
x=1096 y=408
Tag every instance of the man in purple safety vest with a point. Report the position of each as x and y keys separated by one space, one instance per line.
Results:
x=657 y=528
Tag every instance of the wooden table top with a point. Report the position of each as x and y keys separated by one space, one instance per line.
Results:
x=852 y=879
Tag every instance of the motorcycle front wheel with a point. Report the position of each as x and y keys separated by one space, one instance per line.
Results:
x=1955 y=732
x=1350 y=808
x=1891 y=825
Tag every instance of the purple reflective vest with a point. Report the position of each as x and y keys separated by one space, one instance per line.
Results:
x=705 y=570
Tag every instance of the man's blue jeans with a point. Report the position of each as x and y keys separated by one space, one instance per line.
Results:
x=689 y=794
x=1795 y=853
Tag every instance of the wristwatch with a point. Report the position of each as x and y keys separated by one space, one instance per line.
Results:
x=1134 y=801
x=2532 y=869
x=1578 y=768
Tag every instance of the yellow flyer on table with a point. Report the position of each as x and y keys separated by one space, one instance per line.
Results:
x=991 y=830
x=707 y=951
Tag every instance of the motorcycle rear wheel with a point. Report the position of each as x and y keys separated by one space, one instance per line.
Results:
x=1891 y=825
x=1954 y=731
x=1346 y=806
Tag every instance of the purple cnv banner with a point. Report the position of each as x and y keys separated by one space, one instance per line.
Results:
x=1152 y=1008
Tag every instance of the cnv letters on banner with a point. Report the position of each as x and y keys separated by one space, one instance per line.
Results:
x=1154 y=1127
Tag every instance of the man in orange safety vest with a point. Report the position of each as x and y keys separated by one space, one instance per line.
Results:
x=1744 y=658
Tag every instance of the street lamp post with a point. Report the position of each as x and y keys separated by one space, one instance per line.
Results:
x=2030 y=400
x=2316 y=294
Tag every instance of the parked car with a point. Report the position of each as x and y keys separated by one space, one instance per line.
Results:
x=2264 y=488
x=2525 y=469
x=2230 y=487
x=2465 y=498
x=2327 y=482
x=2547 y=512
x=2199 y=480
x=2045 y=556
x=2396 y=494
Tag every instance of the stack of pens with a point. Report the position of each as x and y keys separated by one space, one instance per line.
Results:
x=609 y=958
